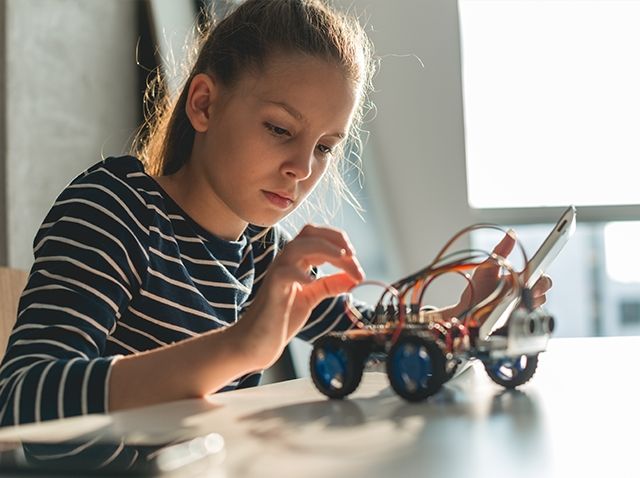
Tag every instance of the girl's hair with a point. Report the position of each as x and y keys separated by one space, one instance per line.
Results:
x=244 y=40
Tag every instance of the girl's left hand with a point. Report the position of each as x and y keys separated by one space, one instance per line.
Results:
x=485 y=279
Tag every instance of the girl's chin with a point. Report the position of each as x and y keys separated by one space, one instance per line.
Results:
x=268 y=220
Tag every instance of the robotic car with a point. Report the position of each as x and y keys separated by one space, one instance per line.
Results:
x=422 y=347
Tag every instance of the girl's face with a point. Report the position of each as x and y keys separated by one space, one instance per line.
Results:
x=269 y=138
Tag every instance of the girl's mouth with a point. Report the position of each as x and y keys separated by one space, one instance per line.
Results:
x=281 y=202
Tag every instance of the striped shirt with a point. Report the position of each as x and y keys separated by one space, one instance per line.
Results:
x=120 y=268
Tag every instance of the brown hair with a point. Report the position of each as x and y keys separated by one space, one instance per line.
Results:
x=244 y=40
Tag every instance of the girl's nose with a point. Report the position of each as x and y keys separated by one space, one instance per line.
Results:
x=299 y=166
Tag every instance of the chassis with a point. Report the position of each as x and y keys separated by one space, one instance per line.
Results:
x=424 y=356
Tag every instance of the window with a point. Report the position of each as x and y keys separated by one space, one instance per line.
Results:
x=630 y=312
x=551 y=112
x=551 y=99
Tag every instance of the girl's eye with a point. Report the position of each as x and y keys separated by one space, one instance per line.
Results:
x=325 y=150
x=276 y=130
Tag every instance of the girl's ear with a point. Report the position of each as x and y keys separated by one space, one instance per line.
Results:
x=202 y=92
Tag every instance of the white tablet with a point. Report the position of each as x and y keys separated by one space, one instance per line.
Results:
x=551 y=247
x=535 y=267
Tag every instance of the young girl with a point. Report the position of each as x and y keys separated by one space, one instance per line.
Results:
x=165 y=276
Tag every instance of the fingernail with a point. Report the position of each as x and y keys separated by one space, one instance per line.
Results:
x=343 y=252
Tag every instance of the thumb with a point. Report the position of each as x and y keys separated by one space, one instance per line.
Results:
x=506 y=245
x=328 y=286
x=312 y=294
x=288 y=301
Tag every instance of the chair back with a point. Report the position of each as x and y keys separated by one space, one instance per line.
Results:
x=12 y=283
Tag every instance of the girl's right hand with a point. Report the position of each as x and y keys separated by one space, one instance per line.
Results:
x=289 y=292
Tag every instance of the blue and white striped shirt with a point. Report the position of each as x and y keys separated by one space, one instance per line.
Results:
x=120 y=268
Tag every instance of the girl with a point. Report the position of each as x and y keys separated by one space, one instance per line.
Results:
x=165 y=276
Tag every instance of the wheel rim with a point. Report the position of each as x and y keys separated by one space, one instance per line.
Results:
x=331 y=367
x=412 y=367
x=508 y=369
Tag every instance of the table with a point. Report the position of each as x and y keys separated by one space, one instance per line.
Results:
x=578 y=416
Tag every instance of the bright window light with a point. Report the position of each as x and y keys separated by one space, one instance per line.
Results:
x=621 y=251
x=551 y=102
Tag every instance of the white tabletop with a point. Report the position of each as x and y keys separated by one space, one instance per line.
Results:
x=578 y=416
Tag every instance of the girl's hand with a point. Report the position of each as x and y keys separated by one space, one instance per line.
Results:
x=485 y=279
x=289 y=293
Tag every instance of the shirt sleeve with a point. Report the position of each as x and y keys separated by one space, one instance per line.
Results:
x=330 y=316
x=90 y=256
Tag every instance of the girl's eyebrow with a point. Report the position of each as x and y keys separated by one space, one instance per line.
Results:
x=299 y=116
x=289 y=109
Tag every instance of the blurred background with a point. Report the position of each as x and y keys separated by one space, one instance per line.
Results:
x=501 y=111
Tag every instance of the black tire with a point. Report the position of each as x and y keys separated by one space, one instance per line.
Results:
x=511 y=373
x=416 y=367
x=336 y=365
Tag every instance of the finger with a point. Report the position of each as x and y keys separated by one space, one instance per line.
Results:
x=506 y=245
x=294 y=289
x=502 y=249
x=285 y=276
x=327 y=286
x=291 y=281
x=309 y=296
x=333 y=235
x=542 y=285
x=314 y=251
x=539 y=301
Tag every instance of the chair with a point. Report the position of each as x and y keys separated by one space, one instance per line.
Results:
x=12 y=283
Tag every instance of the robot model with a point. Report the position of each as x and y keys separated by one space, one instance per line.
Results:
x=422 y=348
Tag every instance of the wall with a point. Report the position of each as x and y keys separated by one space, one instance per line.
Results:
x=71 y=96
x=414 y=160
x=417 y=138
x=60 y=123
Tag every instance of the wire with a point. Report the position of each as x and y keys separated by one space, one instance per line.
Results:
x=353 y=313
x=405 y=296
